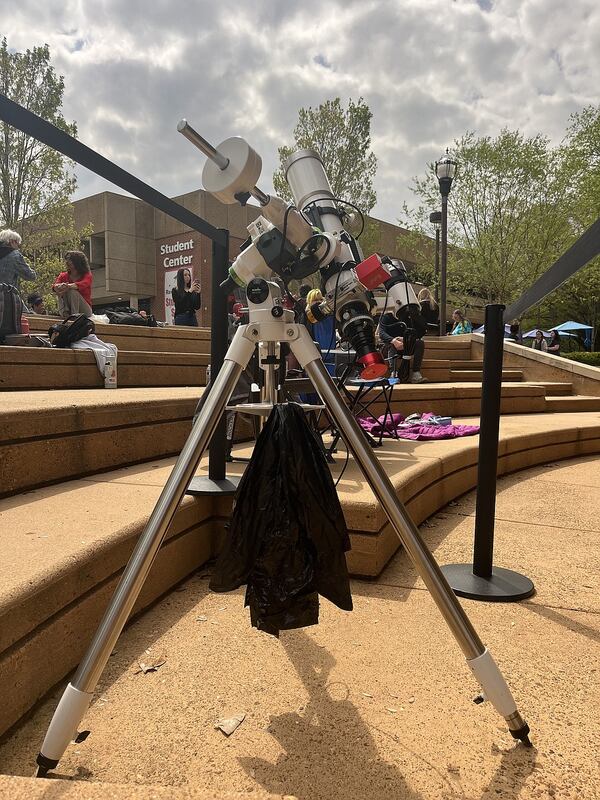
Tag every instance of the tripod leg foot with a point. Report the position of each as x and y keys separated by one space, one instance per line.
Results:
x=495 y=689
x=45 y=765
x=522 y=734
x=63 y=727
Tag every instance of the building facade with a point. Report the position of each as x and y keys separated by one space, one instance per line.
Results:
x=135 y=251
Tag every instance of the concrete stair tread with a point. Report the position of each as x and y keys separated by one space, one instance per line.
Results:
x=47 y=355
x=457 y=374
x=575 y=402
x=24 y=368
x=34 y=401
x=557 y=387
x=63 y=543
x=47 y=437
x=450 y=363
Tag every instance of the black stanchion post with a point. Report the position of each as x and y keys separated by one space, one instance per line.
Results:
x=218 y=349
x=491 y=392
x=217 y=481
x=483 y=581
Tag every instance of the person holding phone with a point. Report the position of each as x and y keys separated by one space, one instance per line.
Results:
x=186 y=298
x=73 y=287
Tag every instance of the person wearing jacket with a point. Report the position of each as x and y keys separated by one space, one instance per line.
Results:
x=13 y=266
x=539 y=343
x=186 y=298
x=390 y=330
x=74 y=286
x=554 y=344
x=461 y=324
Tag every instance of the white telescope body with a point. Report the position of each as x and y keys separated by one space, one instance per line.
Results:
x=308 y=181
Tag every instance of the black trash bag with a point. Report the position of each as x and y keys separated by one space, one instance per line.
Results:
x=287 y=536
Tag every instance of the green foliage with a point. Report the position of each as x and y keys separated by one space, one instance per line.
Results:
x=37 y=181
x=35 y=178
x=579 y=297
x=343 y=140
x=47 y=257
x=369 y=238
x=506 y=213
x=581 y=150
x=593 y=359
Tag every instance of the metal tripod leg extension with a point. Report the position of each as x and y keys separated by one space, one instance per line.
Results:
x=477 y=655
x=78 y=694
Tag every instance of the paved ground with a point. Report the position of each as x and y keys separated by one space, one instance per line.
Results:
x=376 y=702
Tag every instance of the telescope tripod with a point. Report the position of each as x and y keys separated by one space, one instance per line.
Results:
x=269 y=324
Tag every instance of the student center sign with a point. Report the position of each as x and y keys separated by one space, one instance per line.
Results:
x=135 y=251
x=175 y=259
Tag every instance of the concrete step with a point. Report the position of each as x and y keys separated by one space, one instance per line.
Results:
x=451 y=369
x=557 y=388
x=457 y=399
x=175 y=338
x=575 y=402
x=456 y=351
x=41 y=368
x=46 y=437
x=477 y=375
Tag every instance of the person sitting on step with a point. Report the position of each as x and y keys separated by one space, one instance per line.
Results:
x=461 y=324
x=74 y=286
x=390 y=330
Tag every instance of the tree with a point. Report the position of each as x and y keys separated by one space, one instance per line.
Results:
x=37 y=181
x=343 y=140
x=579 y=297
x=581 y=150
x=507 y=213
x=35 y=178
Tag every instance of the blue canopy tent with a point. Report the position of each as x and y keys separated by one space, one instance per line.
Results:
x=481 y=329
x=546 y=334
x=576 y=326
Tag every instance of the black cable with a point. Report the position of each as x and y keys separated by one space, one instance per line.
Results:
x=341 y=475
x=343 y=202
x=283 y=232
x=319 y=235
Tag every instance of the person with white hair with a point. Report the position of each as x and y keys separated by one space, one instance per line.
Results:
x=13 y=266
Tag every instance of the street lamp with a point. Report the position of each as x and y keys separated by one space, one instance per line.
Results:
x=445 y=169
x=436 y=219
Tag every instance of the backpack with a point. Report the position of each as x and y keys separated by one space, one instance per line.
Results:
x=11 y=308
x=129 y=316
x=74 y=328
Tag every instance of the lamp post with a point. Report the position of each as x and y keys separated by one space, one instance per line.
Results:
x=436 y=219
x=445 y=169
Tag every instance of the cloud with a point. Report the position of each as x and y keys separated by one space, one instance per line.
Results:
x=428 y=69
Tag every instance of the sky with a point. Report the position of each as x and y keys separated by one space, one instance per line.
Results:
x=429 y=70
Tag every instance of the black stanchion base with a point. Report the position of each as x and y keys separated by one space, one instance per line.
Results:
x=207 y=486
x=505 y=586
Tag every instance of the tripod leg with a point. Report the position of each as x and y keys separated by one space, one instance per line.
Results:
x=478 y=657
x=78 y=694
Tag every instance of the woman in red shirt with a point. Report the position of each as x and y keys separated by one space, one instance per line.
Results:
x=74 y=287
